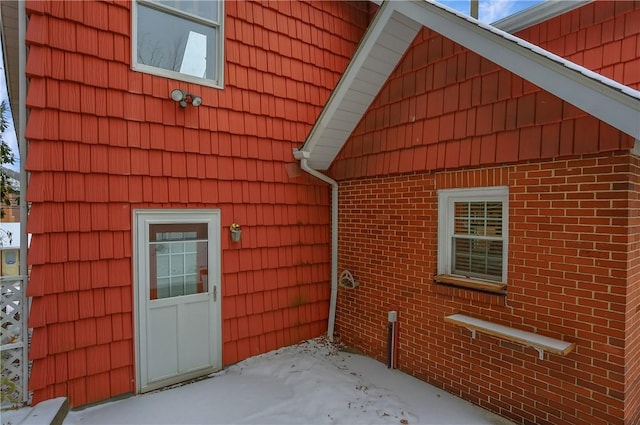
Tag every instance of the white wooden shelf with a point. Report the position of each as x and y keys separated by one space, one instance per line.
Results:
x=539 y=342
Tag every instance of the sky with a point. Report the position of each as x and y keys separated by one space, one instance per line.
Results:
x=9 y=136
x=310 y=383
x=492 y=10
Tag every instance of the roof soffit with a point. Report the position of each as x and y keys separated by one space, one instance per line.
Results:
x=383 y=45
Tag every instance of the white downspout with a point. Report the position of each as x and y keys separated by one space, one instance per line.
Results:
x=303 y=156
x=22 y=143
x=24 y=180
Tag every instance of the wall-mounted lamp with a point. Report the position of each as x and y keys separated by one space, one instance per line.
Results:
x=236 y=232
x=183 y=97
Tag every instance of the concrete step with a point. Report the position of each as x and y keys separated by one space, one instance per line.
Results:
x=48 y=412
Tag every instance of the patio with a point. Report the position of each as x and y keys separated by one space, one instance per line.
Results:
x=310 y=383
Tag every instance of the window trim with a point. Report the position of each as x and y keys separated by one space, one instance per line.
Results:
x=446 y=221
x=175 y=75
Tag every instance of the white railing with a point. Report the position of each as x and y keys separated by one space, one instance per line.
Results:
x=15 y=340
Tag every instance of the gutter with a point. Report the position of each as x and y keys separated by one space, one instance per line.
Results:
x=303 y=157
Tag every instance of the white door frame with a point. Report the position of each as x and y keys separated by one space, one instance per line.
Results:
x=140 y=258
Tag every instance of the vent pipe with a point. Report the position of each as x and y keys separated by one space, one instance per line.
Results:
x=474 y=8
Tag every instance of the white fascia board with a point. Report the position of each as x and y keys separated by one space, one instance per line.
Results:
x=382 y=18
x=603 y=98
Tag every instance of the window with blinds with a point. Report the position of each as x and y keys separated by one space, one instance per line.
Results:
x=477 y=239
x=472 y=235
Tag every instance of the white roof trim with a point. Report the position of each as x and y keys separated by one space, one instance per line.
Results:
x=539 y=13
x=595 y=94
x=380 y=50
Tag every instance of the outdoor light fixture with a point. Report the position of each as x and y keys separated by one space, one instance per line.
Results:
x=183 y=97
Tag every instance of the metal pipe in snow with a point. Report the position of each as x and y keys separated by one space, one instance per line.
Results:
x=391 y=339
x=393 y=345
x=389 y=345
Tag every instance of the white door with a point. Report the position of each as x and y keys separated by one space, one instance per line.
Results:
x=177 y=269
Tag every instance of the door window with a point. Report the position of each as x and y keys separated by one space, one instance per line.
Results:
x=178 y=259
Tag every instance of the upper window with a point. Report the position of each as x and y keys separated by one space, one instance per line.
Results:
x=472 y=237
x=180 y=39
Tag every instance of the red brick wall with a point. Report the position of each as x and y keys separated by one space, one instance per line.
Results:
x=11 y=213
x=632 y=349
x=567 y=279
x=105 y=140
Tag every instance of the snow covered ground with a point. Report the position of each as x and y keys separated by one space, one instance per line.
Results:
x=310 y=383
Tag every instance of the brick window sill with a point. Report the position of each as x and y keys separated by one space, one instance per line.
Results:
x=471 y=283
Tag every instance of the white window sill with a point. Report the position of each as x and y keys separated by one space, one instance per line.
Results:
x=472 y=283
x=174 y=75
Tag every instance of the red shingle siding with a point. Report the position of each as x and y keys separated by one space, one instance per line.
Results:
x=567 y=279
x=105 y=140
x=446 y=107
x=603 y=36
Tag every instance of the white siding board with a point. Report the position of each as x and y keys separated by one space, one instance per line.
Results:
x=348 y=105
x=397 y=45
x=339 y=124
x=372 y=76
x=383 y=53
x=359 y=97
x=362 y=95
x=344 y=121
x=326 y=152
x=383 y=68
x=363 y=86
x=319 y=165
x=347 y=115
x=402 y=27
x=346 y=124
x=335 y=135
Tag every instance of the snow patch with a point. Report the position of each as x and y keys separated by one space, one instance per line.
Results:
x=309 y=383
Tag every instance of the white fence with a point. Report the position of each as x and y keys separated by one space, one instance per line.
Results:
x=15 y=340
